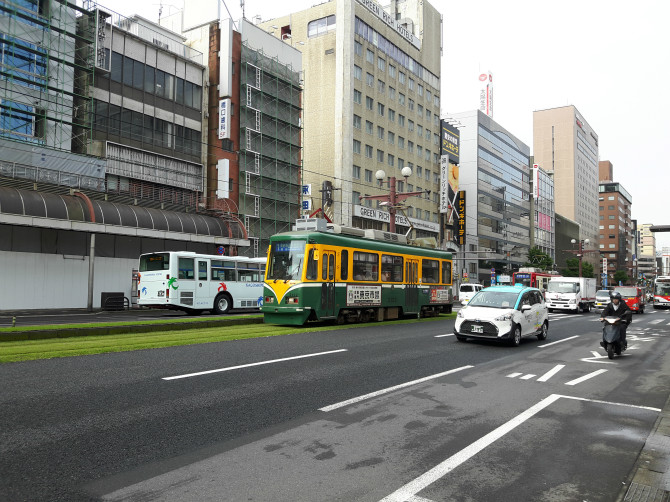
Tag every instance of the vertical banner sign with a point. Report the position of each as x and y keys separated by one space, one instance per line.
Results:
x=536 y=181
x=604 y=265
x=445 y=196
x=486 y=93
x=224 y=119
x=103 y=60
x=450 y=141
x=460 y=208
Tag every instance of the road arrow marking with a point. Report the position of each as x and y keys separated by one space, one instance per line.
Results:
x=596 y=356
x=551 y=373
x=585 y=377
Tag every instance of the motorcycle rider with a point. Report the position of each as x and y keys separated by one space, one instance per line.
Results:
x=618 y=308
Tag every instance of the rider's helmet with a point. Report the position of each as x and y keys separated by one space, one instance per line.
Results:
x=615 y=294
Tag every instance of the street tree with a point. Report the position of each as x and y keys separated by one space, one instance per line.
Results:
x=539 y=259
x=621 y=276
x=572 y=268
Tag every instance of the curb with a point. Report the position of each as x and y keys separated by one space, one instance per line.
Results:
x=44 y=334
x=650 y=481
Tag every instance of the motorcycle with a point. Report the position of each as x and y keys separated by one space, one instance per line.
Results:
x=612 y=336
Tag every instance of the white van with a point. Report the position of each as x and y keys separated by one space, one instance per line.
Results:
x=466 y=291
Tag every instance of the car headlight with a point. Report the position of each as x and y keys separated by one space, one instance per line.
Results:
x=572 y=301
x=460 y=313
x=635 y=305
x=504 y=317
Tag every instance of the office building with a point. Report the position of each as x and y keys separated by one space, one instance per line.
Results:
x=101 y=158
x=371 y=103
x=616 y=230
x=646 y=260
x=495 y=175
x=565 y=144
x=543 y=235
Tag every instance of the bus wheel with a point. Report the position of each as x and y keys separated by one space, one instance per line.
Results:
x=223 y=303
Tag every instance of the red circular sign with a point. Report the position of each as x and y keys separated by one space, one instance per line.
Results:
x=483 y=77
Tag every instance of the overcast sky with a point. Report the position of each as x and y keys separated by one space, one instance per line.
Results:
x=609 y=58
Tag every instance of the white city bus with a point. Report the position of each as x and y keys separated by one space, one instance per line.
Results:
x=194 y=283
x=662 y=292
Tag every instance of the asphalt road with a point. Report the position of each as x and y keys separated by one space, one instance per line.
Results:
x=544 y=422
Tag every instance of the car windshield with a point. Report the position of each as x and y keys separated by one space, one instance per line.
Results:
x=603 y=294
x=285 y=260
x=627 y=292
x=562 y=287
x=494 y=299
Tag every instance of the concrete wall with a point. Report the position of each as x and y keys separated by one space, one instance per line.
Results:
x=50 y=281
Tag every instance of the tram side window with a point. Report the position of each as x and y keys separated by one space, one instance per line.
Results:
x=344 y=265
x=186 y=268
x=430 y=271
x=446 y=272
x=311 y=266
x=391 y=268
x=366 y=266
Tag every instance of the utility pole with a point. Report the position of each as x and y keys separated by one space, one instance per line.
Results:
x=580 y=251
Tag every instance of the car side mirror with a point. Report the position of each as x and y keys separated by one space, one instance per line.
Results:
x=525 y=308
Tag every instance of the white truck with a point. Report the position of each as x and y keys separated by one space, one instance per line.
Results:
x=575 y=294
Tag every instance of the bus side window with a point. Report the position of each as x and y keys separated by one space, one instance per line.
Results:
x=185 y=268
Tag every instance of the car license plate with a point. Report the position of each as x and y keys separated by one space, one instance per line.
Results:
x=477 y=329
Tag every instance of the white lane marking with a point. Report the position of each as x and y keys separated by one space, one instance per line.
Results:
x=559 y=341
x=230 y=368
x=514 y=375
x=341 y=404
x=406 y=492
x=551 y=373
x=656 y=321
x=429 y=477
x=585 y=377
x=440 y=336
x=595 y=358
x=527 y=377
x=613 y=403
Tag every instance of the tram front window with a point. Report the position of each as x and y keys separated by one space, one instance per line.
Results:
x=285 y=260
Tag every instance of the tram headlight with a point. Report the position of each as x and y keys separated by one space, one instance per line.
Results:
x=293 y=299
x=269 y=299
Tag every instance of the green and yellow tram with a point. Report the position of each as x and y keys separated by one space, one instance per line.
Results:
x=353 y=275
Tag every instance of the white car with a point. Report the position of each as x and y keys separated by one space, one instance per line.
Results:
x=503 y=313
x=467 y=290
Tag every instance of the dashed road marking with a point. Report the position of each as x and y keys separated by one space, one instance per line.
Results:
x=551 y=373
x=514 y=375
x=585 y=377
x=527 y=377
x=558 y=341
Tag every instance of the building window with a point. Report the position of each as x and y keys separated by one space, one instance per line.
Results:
x=391 y=160
x=411 y=84
x=391 y=115
x=369 y=79
x=410 y=146
x=420 y=90
x=380 y=109
x=401 y=98
x=369 y=103
x=357 y=122
x=320 y=26
x=401 y=77
x=401 y=120
x=368 y=127
x=358 y=48
x=381 y=64
x=392 y=71
x=369 y=56
x=401 y=142
x=410 y=104
x=357 y=146
x=380 y=132
x=380 y=155
x=358 y=72
x=410 y=125
x=368 y=176
x=381 y=86
x=368 y=151
x=391 y=92
x=391 y=137
x=356 y=171
x=357 y=97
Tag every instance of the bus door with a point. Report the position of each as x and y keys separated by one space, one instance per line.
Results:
x=328 y=282
x=411 y=285
x=202 y=291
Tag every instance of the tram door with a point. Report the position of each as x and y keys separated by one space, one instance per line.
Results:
x=328 y=284
x=411 y=285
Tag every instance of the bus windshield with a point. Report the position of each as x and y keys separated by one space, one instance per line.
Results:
x=562 y=287
x=627 y=292
x=662 y=289
x=285 y=260
x=156 y=261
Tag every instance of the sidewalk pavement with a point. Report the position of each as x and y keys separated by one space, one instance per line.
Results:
x=651 y=475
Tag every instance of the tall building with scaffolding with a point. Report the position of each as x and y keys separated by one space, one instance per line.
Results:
x=371 y=102
x=254 y=163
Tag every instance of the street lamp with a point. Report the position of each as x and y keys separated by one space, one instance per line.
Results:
x=393 y=198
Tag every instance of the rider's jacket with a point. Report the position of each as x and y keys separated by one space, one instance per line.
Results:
x=623 y=312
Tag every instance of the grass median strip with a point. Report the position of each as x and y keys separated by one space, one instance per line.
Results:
x=64 y=347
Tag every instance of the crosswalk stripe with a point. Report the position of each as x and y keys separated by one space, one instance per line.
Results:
x=527 y=377
x=514 y=375
x=656 y=321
